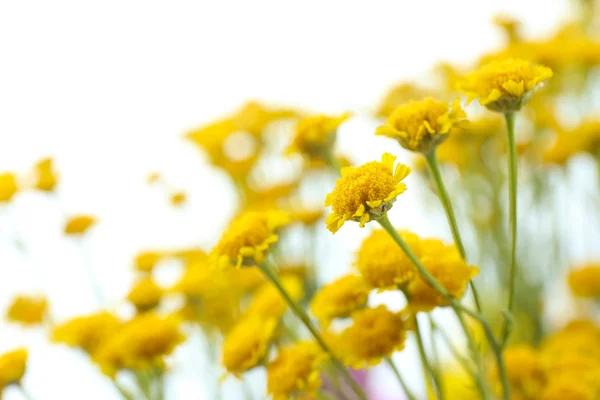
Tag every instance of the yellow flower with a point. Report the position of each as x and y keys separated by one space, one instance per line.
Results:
x=585 y=282
x=140 y=344
x=8 y=186
x=339 y=298
x=422 y=125
x=247 y=279
x=583 y=138
x=146 y=261
x=448 y=267
x=45 y=177
x=510 y=25
x=567 y=388
x=382 y=264
x=315 y=136
x=27 y=310
x=268 y=302
x=504 y=85
x=579 y=336
x=248 y=238
x=178 y=198
x=398 y=95
x=265 y=199
x=295 y=371
x=12 y=367
x=375 y=333
x=253 y=117
x=88 y=332
x=247 y=343
x=307 y=216
x=366 y=192
x=524 y=370
x=145 y=294
x=458 y=384
x=79 y=225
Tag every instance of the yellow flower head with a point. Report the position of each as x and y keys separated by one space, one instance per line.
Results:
x=504 y=85
x=88 y=332
x=27 y=310
x=253 y=117
x=422 y=125
x=12 y=367
x=585 y=282
x=448 y=267
x=145 y=294
x=177 y=199
x=247 y=343
x=140 y=344
x=268 y=302
x=45 y=177
x=366 y=192
x=315 y=135
x=567 y=388
x=8 y=186
x=382 y=264
x=524 y=370
x=295 y=371
x=146 y=261
x=579 y=337
x=79 y=225
x=375 y=333
x=248 y=238
x=340 y=298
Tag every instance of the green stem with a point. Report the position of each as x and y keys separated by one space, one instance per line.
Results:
x=425 y=361
x=124 y=392
x=512 y=197
x=456 y=305
x=25 y=393
x=396 y=372
x=434 y=169
x=268 y=270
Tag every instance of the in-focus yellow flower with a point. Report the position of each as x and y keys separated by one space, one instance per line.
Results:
x=140 y=344
x=147 y=260
x=382 y=264
x=45 y=176
x=295 y=371
x=248 y=238
x=422 y=125
x=145 y=294
x=79 y=225
x=504 y=85
x=12 y=367
x=247 y=344
x=177 y=199
x=585 y=282
x=268 y=302
x=87 y=332
x=8 y=186
x=315 y=136
x=340 y=298
x=448 y=267
x=365 y=193
x=28 y=310
x=375 y=333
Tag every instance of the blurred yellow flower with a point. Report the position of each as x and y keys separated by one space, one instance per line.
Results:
x=145 y=294
x=510 y=25
x=585 y=282
x=254 y=117
x=375 y=333
x=247 y=344
x=306 y=216
x=87 y=332
x=8 y=186
x=140 y=344
x=248 y=237
x=399 y=95
x=177 y=199
x=12 y=367
x=27 y=310
x=382 y=264
x=448 y=267
x=524 y=370
x=79 y=224
x=315 y=136
x=422 y=125
x=339 y=298
x=504 y=85
x=147 y=260
x=366 y=192
x=567 y=388
x=295 y=371
x=268 y=302
x=46 y=179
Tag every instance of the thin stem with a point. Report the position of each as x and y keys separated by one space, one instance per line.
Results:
x=122 y=390
x=456 y=305
x=512 y=197
x=396 y=372
x=434 y=169
x=435 y=359
x=25 y=393
x=268 y=270
x=425 y=361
